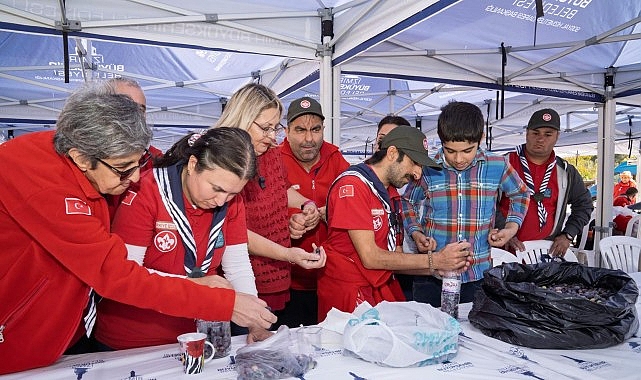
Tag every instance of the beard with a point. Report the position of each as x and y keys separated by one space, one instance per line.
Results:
x=401 y=181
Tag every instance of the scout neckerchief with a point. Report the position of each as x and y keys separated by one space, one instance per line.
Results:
x=367 y=175
x=536 y=195
x=171 y=193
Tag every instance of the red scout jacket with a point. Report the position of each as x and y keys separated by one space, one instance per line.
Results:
x=313 y=185
x=56 y=244
x=140 y=221
x=344 y=282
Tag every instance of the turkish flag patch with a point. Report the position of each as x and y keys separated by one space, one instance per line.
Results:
x=129 y=197
x=75 y=206
x=346 y=191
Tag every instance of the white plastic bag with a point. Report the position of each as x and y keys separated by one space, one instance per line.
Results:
x=401 y=334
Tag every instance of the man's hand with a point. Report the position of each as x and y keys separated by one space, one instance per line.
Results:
x=423 y=243
x=250 y=311
x=258 y=334
x=560 y=245
x=307 y=260
x=214 y=281
x=323 y=213
x=514 y=245
x=454 y=256
x=297 y=226
x=499 y=238
x=304 y=221
x=312 y=215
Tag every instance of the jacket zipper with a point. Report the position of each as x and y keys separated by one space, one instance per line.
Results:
x=22 y=306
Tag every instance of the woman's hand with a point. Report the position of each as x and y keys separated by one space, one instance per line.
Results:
x=258 y=334
x=214 y=281
x=307 y=260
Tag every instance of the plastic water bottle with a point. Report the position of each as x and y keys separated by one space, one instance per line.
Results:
x=451 y=293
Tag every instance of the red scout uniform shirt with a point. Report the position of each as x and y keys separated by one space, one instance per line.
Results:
x=313 y=185
x=56 y=245
x=142 y=220
x=266 y=211
x=344 y=282
x=530 y=229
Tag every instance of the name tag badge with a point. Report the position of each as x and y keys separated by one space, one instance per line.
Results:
x=160 y=225
x=378 y=212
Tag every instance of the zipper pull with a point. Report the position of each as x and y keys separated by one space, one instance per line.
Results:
x=313 y=184
x=1 y=336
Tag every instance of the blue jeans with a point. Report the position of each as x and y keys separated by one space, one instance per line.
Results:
x=427 y=289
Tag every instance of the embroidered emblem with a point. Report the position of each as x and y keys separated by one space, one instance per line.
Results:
x=305 y=104
x=165 y=241
x=346 y=191
x=378 y=223
x=425 y=144
x=296 y=187
x=220 y=241
x=75 y=206
x=547 y=117
x=129 y=198
x=378 y=211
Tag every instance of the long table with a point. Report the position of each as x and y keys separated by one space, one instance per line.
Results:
x=479 y=358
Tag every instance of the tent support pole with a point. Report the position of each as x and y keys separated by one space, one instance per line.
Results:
x=605 y=157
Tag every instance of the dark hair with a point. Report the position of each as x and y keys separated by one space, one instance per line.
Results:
x=380 y=154
x=392 y=119
x=631 y=191
x=460 y=121
x=230 y=149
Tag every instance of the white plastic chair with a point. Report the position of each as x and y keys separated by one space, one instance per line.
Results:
x=620 y=252
x=501 y=256
x=535 y=249
x=589 y=253
x=630 y=230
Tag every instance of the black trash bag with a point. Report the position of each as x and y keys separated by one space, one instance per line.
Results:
x=512 y=306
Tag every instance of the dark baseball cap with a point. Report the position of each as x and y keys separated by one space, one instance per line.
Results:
x=410 y=141
x=302 y=106
x=546 y=117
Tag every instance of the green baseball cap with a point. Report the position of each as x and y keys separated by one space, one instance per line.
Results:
x=410 y=141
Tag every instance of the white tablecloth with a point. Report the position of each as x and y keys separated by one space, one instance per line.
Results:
x=479 y=357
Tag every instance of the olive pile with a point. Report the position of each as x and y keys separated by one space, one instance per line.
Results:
x=268 y=364
x=596 y=295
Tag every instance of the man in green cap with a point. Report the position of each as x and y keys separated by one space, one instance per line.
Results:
x=365 y=230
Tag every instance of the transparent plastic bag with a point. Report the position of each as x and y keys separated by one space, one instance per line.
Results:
x=272 y=359
x=401 y=334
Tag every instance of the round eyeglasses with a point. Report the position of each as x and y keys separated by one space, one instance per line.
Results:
x=277 y=130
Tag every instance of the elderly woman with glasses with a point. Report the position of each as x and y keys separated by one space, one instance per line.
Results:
x=57 y=248
x=184 y=220
x=256 y=109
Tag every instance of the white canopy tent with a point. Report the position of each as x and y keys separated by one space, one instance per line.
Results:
x=581 y=59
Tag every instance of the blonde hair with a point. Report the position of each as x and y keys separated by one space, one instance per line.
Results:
x=246 y=104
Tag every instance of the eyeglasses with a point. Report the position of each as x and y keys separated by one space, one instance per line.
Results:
x=124 y=174
x=277 y=130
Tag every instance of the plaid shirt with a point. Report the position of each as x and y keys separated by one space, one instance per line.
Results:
x=456 y=205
